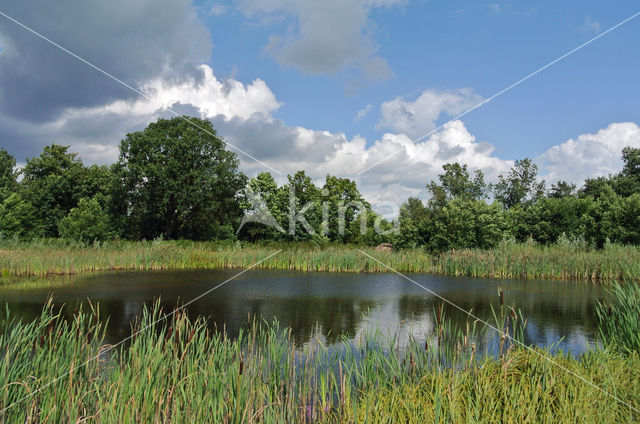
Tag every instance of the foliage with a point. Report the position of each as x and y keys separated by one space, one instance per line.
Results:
x=456 y=183
x=18 y=218
x=8 y=175
x=520 y=186
x=466 y=223
x=177 y=180
x=53 y=183
x=86 y=223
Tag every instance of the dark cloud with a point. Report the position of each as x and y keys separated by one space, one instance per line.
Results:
x=133 y=40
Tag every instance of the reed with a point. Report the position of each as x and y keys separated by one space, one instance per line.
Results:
x=522 y=261
x=619 y=320
x=180 y=371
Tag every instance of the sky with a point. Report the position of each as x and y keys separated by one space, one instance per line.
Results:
x=332 y=87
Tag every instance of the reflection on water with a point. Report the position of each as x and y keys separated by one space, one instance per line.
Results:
x=333 y=303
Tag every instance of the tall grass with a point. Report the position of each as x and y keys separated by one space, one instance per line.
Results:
x=54 y=257
x=619 y=320
x=180 y=371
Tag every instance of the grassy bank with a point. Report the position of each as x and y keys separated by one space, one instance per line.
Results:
x=181 y=372
x=615 y=263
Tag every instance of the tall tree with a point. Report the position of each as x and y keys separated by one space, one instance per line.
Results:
x=456 y=183
x=562 y=189
x=343 y=203
x=52 y=182
x=178 y=181
x=627 y=182
x=520 y=186
x=8 y=175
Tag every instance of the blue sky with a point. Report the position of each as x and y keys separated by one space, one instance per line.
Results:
x=333 y=86
x=474 y=44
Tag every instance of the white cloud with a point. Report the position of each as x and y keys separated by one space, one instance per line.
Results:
x=211 y=96
x=325 y=37
x=590 y=155
x=243 y=114
x=419 y=116
x=591 y=26
x=362 y=113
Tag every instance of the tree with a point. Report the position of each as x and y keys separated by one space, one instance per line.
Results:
x=465 y=223
x=266 y=204
x=343 y=203
x=415 y=224
x=562 y=189
x=627 y=182
x=8 y=175
x=53 y=183
x=520 y=186
x=18 y=219
x=457 y=183
x=176 y=180
x=303 y=207
x=87 y=222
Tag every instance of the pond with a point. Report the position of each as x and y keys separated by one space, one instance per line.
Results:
x=559 y=315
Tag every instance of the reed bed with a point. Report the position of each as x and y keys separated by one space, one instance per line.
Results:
x=44 y=258
x=180 y=371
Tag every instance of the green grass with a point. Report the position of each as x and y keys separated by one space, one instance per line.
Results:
x=619 y=321
x=54 y=257
x=182 y=372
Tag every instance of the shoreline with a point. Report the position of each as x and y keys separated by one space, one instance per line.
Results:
x=556 y=263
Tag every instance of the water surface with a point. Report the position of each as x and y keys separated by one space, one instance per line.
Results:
x=558 y=314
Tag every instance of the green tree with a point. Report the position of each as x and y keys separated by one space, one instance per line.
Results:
x=456 y=182
x=264 y=191
x=8 y=175
x=304 y=214
x=416 y=224
x=627 y=182
x=548 y=218
x=177 y=181
x=562 y=189
x=465 y=223
x=520 y=186
x=53 y=183
x=343 y=206
x=87 y=222
x=18 y=218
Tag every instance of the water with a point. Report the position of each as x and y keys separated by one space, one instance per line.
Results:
x=326 y=304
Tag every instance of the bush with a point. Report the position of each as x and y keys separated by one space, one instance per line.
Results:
x=86 y=223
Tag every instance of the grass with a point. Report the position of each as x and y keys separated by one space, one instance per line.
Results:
x=55 y=257
x=181 y=371
x=619 y=321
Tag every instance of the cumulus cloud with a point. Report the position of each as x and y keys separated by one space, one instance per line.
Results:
x=590 y=155
x=406 y=172
x=136 y=41
x=327 y=36
x=243 y=114
x=95 y=131
x=418 y=117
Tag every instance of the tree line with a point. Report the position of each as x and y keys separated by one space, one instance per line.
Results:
x=176 y=180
